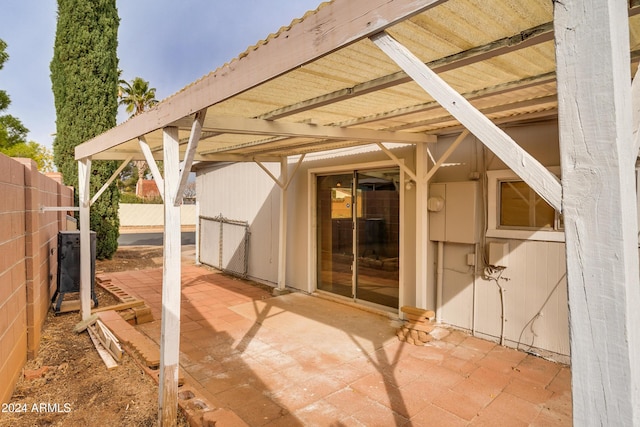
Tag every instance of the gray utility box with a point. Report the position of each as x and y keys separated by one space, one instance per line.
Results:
x=69 y=266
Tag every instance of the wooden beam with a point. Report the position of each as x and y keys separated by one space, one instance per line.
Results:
x=282 y=224
x=171 y=273
x=422 y=229
x=295 y=170
x=279 y=183
x=120 y=306
x=635 y=114
x=599 y=201
x=397 y=161
x=330 y=28
x=125 y=154
x=528 y=168
x=446 y=155
x=268 y=172
x=153 y=166
x=247 y=126
x=111 y=178
x=526 y=83
x=194 y=138
x=84 y=185
x=541 y=102
x=527 y=38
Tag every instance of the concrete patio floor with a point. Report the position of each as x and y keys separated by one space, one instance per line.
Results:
x=300 y=360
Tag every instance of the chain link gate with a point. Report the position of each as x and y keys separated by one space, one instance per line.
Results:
x=224 y=244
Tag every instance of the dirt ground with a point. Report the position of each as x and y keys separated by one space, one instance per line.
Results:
x=67 y=384
x=129 y=258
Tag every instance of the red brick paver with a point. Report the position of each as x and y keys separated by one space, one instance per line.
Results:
x=265 y=376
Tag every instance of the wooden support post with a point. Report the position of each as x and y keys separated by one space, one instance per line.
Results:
x=84 y=175
x=635 y=114
x=599 y=205
x=171 y=272
x=282 y=244
x=422 y=226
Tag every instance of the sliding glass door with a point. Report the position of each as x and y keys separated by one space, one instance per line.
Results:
x=358 y=235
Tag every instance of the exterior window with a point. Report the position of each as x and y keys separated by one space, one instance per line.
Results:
x=515 y=211
x=521 y=207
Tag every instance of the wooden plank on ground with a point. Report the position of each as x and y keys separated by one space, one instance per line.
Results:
x=85 y=324
x=118 y=307
x=107 y=358
x=71 y=305
x=107 y=339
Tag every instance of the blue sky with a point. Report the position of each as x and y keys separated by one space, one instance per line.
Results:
x=168 y=43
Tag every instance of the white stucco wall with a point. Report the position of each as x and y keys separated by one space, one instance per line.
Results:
x=151 y=215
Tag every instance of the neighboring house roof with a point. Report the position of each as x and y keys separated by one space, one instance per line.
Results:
x=147 y=189
x=321 y=83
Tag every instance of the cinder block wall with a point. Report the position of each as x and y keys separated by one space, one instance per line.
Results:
x=28 y=261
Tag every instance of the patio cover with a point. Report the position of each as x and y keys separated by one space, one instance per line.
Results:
x=359 y=72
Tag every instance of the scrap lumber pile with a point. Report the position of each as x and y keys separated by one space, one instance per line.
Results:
x=103 y=339
x=418 y=326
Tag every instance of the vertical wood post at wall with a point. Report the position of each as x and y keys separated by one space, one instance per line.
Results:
x=422 y=226
x=84 y=175
x=282 y=246
x=599 y=206
x=171 y=289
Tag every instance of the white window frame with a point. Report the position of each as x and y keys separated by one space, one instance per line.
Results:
x=493 y=180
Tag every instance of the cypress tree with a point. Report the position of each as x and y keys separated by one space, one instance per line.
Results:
x=84 y=77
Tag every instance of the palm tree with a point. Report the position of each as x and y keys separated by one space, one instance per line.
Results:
x=137 y=96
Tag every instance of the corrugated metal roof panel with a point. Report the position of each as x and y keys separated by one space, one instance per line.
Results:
x=498 y=53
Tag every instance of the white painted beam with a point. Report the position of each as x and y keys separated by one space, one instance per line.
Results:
x=599 y=206
x=84 y=179
x=192 y=145
x=282 y=235
x=111 y=178
x=279 y=128
x=397 y=161
x=528 y=168
x=153 y=166
x=329 y=29
x=268 y=172
x=279 y=183
x=446 y=155
x=527 y=38
x=171 y=288
x=635 y=113
x=295 y=170
x=422 y=228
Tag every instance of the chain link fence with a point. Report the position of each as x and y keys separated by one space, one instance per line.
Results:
x=224 y=244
